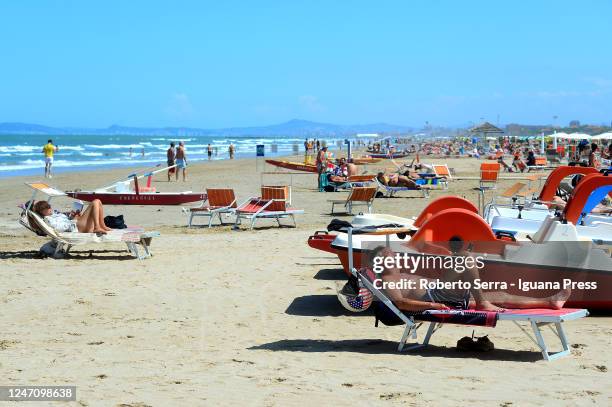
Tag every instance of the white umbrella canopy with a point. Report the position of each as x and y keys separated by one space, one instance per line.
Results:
x=558 y=135
x=574 y=136
x=603 y=136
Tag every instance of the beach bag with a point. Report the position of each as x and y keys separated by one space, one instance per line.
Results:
x=48 y=249
x=354 y=297
x=115 y=222
x=383 y=314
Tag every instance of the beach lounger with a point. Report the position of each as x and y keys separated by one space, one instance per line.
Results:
x=64 y=241
x=443 y=174
x=391 y=191
x=363 y=196
x=361 y=180
x=271 y=205
x=536 y=318
x=221 y=201
x=540 y=164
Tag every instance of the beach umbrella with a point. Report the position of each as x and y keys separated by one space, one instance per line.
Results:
x=603 y=136
x=574 y=136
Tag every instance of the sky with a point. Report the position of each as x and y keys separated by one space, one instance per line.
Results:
x=213 y=64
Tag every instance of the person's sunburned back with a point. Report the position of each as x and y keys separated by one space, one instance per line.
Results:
x=180 y=152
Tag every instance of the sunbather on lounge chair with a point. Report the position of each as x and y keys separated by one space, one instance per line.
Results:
x=89 y=221
x=559 y=201
x=396 y=180
x=419 y=299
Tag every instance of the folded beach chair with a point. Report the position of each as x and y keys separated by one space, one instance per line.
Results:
x=536 y=318
x=271 y=205
x=64 y=241
x=358 y=196
x=220 y=202
x=391 y=191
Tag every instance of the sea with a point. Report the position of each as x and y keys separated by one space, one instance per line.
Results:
x=22 y=154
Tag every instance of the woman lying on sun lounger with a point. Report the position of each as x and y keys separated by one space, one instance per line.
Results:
x=420 y=299
x=89 y=221
x=396 y=180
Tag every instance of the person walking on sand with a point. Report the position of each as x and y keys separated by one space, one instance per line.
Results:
x=49 y=149
x=231 y=151
x=181 y=160
x=171 y=160
x=210 y=151
x=321 y=164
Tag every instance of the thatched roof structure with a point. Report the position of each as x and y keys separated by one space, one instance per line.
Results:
x=486 y=128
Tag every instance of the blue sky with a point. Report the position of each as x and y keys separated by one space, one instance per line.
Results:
x=223 y=64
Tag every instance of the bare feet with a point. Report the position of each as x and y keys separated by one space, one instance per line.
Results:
x=488 y=306
x=558 y=300
x=99 y=231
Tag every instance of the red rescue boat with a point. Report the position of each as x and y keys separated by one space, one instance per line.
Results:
x=121 y=193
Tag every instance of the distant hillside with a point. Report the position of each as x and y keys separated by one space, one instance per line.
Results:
x=297 y=128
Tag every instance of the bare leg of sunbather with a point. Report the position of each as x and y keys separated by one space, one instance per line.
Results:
x=493 y=300
x=497 y=300
x=92 y=219
x=404 y=181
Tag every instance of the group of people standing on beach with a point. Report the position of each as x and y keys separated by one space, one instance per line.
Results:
x=177 y=158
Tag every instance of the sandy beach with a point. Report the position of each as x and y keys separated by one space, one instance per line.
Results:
x=223 y=317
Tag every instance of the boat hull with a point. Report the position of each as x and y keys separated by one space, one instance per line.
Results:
x=500 y=271
x=394 y=155
x=293 y=166
x=159 y=198
x=365 y=160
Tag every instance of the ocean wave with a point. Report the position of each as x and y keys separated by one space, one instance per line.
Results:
x=29 y=164
x=113 y=146
x=19 y=149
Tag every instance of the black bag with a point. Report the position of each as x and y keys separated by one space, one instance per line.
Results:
x=115 y=222
x=329 y=188
x=383 y=314
x=337 y=225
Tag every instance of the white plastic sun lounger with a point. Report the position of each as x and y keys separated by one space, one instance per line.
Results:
x=537 y=318
x=64 y=241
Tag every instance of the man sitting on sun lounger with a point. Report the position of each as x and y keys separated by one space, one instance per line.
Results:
x=396 y=180
x=419 y=299
x=564 y=191
x=89 y=221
